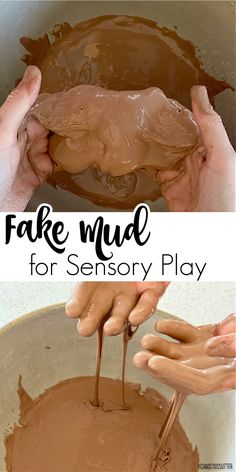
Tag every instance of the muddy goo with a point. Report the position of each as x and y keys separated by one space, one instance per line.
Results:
x=62 y=430
x=117 y=53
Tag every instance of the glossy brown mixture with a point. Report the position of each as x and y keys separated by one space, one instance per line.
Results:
x=191 y=354
x=45 y=419
x=117 y=53
x=118 y=133
x=62 y=431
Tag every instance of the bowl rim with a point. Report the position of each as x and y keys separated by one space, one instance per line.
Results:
x=34 y=313
x=26 y=316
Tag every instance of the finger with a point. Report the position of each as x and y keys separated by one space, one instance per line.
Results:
x=170 y=373
x=98 y=308
x=150 y=293
x=145 y=307
x=209 y=330
x=19 y=102
x=122 y=306
x=37 y=150
x=42 y=166
x=160 y=346
x=228 y=325
x=212 y=129
x=177 y=329
x=35 y=129
x=158 y=287
x=222 y=346
x=37 y=138
x=229 y=382
x=220 y=378
x=79 y=300
x=187 y=379
x=22 y=139
x=40 y=145
x=141 y=359
x=30 y=175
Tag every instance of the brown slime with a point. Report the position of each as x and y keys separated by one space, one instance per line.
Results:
x=176 y=403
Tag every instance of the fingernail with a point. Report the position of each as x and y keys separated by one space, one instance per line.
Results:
x=70 y=309
x=136 y=360
x=31 y=76
x=84 y=327
x=111 y=328
x=152 y=362
x=73 y=308
x=200 y=97
x=134 y=321
x=145 y=341
x=140 y=358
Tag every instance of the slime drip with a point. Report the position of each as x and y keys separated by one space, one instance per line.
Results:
x=175 y=403
x=127 y=336
x=129 y=332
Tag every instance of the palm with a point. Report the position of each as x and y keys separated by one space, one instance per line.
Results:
x=184 y=365
x=205 y=180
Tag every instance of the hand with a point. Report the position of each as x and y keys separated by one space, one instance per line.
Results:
x=205 y=182
x=91 y=302
x=24 y=161
x=224 y=343
x=186 y=366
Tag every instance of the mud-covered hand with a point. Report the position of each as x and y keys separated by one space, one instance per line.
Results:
x=224 y=341
x=24 y=161
x=185 y=365
x=92 y=302
x=205 y=182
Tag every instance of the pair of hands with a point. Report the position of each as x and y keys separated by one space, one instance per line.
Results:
x=25 y=163
x=194 y=364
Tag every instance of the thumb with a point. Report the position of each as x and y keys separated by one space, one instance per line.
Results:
x=211 y=127
x=222 y=346
x=228 y=325
x=19 y=102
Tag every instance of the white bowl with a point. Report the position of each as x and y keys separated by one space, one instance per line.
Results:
x=44 y=348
